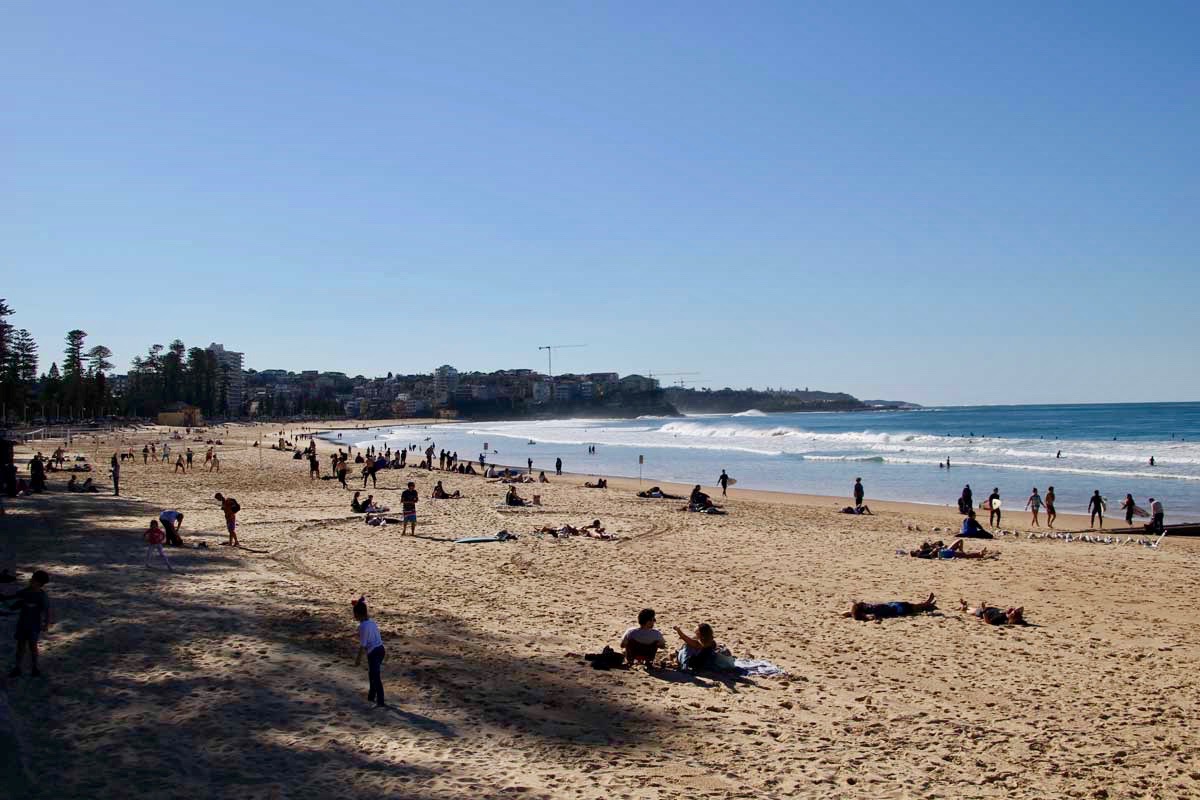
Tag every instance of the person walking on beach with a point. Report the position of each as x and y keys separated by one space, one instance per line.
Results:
x=116 y=473
x=1130 y=506
x=215 y=464
x=230 y=508
x=723 y=482
x=179 y=466
x=994 y=508
x=314 y=466
x=33 y=605
x=859 y=491
x=1034 y=504
x=1051 y=514
x=1096 y=507
x=558 y=466
x=371 y=643
x=408 y=505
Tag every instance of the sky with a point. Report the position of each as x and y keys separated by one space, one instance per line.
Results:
x=942 y=202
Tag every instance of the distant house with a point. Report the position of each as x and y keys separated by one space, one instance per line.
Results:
x=180 y=415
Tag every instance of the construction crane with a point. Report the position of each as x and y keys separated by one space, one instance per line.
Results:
x=660 y=374
x=550 y=348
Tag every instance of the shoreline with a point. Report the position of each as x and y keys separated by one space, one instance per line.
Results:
x=1077 y=522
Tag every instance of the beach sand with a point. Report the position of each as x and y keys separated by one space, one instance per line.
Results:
x=233 y=677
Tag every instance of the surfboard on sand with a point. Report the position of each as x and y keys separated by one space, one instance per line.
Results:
x=503 y=536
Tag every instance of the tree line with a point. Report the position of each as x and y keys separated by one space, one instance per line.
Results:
x=79 y=389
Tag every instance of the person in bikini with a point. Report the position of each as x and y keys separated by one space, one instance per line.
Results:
x=993 y=615
x=955 y=550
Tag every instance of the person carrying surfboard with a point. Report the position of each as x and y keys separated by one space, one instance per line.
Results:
x=723 y=482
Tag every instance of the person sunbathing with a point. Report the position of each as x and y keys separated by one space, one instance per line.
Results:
x=440 y=493
x=993 y=615
x=861 y=509
x=699 y=651
x=595 y=530
x=955 y=550
x=599 y=484
x=562 y=530
x=514 y=499
x=542 y=477
x=655 y=493
x=877 y=612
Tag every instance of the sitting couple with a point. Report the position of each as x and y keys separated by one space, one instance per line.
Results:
x=74 y=485
x=701 y=502
x=641 y=645
x=440 y=493
x=366 y=506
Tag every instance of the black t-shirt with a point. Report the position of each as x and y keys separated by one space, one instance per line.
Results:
x=32 y=604
x=409 y=499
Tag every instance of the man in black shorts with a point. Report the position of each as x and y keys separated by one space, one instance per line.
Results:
x=408 y=504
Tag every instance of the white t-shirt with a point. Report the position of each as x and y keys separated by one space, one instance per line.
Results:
x=643 y=636
x=1156 y=507
x=368 y=635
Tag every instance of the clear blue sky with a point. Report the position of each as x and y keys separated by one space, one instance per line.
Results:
x=947 y=202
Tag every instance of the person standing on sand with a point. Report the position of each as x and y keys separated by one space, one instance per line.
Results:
x=179 y=466
x=371 y=643
x=859 y=492
x=1051 y=514
x=116 y=473
x=145 y=453
x=190 y=455
x=1034 y=504
x=408 y=505
x=558 y=466
x=33 y=616
x=994 y=508
x=155 y=537
x=230 y=508
x=1096 y=507
x=529 y=462
x=314 y=466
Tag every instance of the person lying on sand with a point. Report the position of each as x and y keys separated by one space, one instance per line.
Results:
x=655 y=493
x=939 y=550
x=992 y=615
x=643 y=642
x=877 y=612
x=440 y=493
x=863 y=509
x=699 y=651
x=599 y=484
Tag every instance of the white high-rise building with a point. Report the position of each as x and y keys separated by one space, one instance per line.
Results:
x=445 y=381
x=230 y=364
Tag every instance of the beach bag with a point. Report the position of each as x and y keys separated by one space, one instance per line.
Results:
x=233 y=505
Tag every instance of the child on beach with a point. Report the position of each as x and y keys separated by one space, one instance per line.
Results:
x=155 y=537
x=371 y=643
x=33 y=606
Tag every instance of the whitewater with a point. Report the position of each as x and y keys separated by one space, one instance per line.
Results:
x=899 y=454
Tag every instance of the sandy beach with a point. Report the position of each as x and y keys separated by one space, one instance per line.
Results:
x=234 y=676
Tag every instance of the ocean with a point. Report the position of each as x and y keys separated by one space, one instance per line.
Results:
x=1077 y=449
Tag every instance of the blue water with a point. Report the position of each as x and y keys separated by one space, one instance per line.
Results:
x=1013 y=448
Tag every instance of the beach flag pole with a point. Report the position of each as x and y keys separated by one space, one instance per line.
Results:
x=641 y=460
